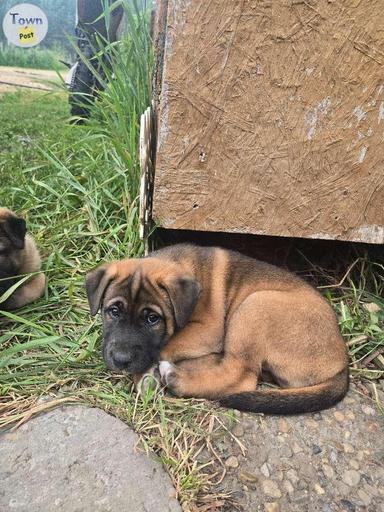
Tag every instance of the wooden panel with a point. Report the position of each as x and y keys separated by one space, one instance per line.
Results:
x=271 y=118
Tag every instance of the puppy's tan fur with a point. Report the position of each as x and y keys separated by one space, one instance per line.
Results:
x=250 y=320
x=18 y=256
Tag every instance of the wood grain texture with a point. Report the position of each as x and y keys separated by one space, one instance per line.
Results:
x=271 y=118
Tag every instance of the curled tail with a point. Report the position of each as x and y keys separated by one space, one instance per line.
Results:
x=292 y=400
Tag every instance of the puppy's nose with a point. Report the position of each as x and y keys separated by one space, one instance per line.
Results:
x=121 y=359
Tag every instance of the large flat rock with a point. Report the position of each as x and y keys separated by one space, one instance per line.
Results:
x=79 y=459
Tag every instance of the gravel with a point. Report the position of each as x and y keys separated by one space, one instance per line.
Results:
x=332 y=461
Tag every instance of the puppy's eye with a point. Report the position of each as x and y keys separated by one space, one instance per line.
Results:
x=152 y=318
x=114 y=311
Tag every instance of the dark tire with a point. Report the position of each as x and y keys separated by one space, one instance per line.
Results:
x=84 y=85
x=81 y=89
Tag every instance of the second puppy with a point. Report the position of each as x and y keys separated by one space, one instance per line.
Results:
x=18 y=256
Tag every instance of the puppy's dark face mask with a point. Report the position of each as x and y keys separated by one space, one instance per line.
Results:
x=143 y=303
x=12 y=240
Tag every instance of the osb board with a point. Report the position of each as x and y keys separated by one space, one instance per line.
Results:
x=271 y=118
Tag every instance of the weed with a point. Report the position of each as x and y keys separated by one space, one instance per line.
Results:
x=77 y=186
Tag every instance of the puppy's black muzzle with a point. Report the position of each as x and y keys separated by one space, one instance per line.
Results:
x=127 y=361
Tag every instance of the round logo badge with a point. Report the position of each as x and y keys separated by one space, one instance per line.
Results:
x=25 y=25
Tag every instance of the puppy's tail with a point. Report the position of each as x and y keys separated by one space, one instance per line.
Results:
x=292 y=400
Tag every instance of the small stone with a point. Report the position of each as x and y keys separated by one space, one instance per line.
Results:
x=351 y=477
x=354 y=464
x=285 y=451
x=283 y=425
x=265 y=470
x=288 y=486
x=292 y=475
x=343 y=489
x=348 y=448
x=246 y=476
x=338 y=446
x=347 y=505
x=238 y=430
x=350 y=415
x=296 y=448
x=300 y=497
x=232 y=462
x=271 y=489
x=347 y=434
x=318 y=489
x=339 y=416
x=364 y=497
x=317 y=416
x=328 y=471
x=372 y=307
x=301 y=484
x=279 y=475
x=360 y=455
x=368 y=410
x=349 y=400
x=275 y=460
x=272 y=507
x=333 y=457
x=316 y=449
x=370 y=489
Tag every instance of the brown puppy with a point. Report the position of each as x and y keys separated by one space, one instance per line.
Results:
x=218 y=321
x=18 y=256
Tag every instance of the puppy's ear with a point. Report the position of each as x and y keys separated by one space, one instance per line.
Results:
x=96 y=283
x=15 y=228
x=183 y=293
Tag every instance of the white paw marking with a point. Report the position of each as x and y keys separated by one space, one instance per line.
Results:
x=166 y=369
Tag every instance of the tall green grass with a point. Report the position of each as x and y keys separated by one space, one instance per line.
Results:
x=78 y=188
x=36 y=58
x=124 y=71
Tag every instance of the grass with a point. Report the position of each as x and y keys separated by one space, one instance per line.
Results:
x=77 y=186
x=36 y=58
x=358 y=300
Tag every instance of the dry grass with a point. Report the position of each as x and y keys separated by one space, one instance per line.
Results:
x=77 y=187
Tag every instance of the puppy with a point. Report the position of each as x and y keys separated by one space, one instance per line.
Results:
x=218 y=322
x=18 y=256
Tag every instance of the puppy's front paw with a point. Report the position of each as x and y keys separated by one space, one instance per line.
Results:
x=170 y=377
x=167 y=372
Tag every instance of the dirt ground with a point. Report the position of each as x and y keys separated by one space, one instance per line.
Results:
x=13 y=79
